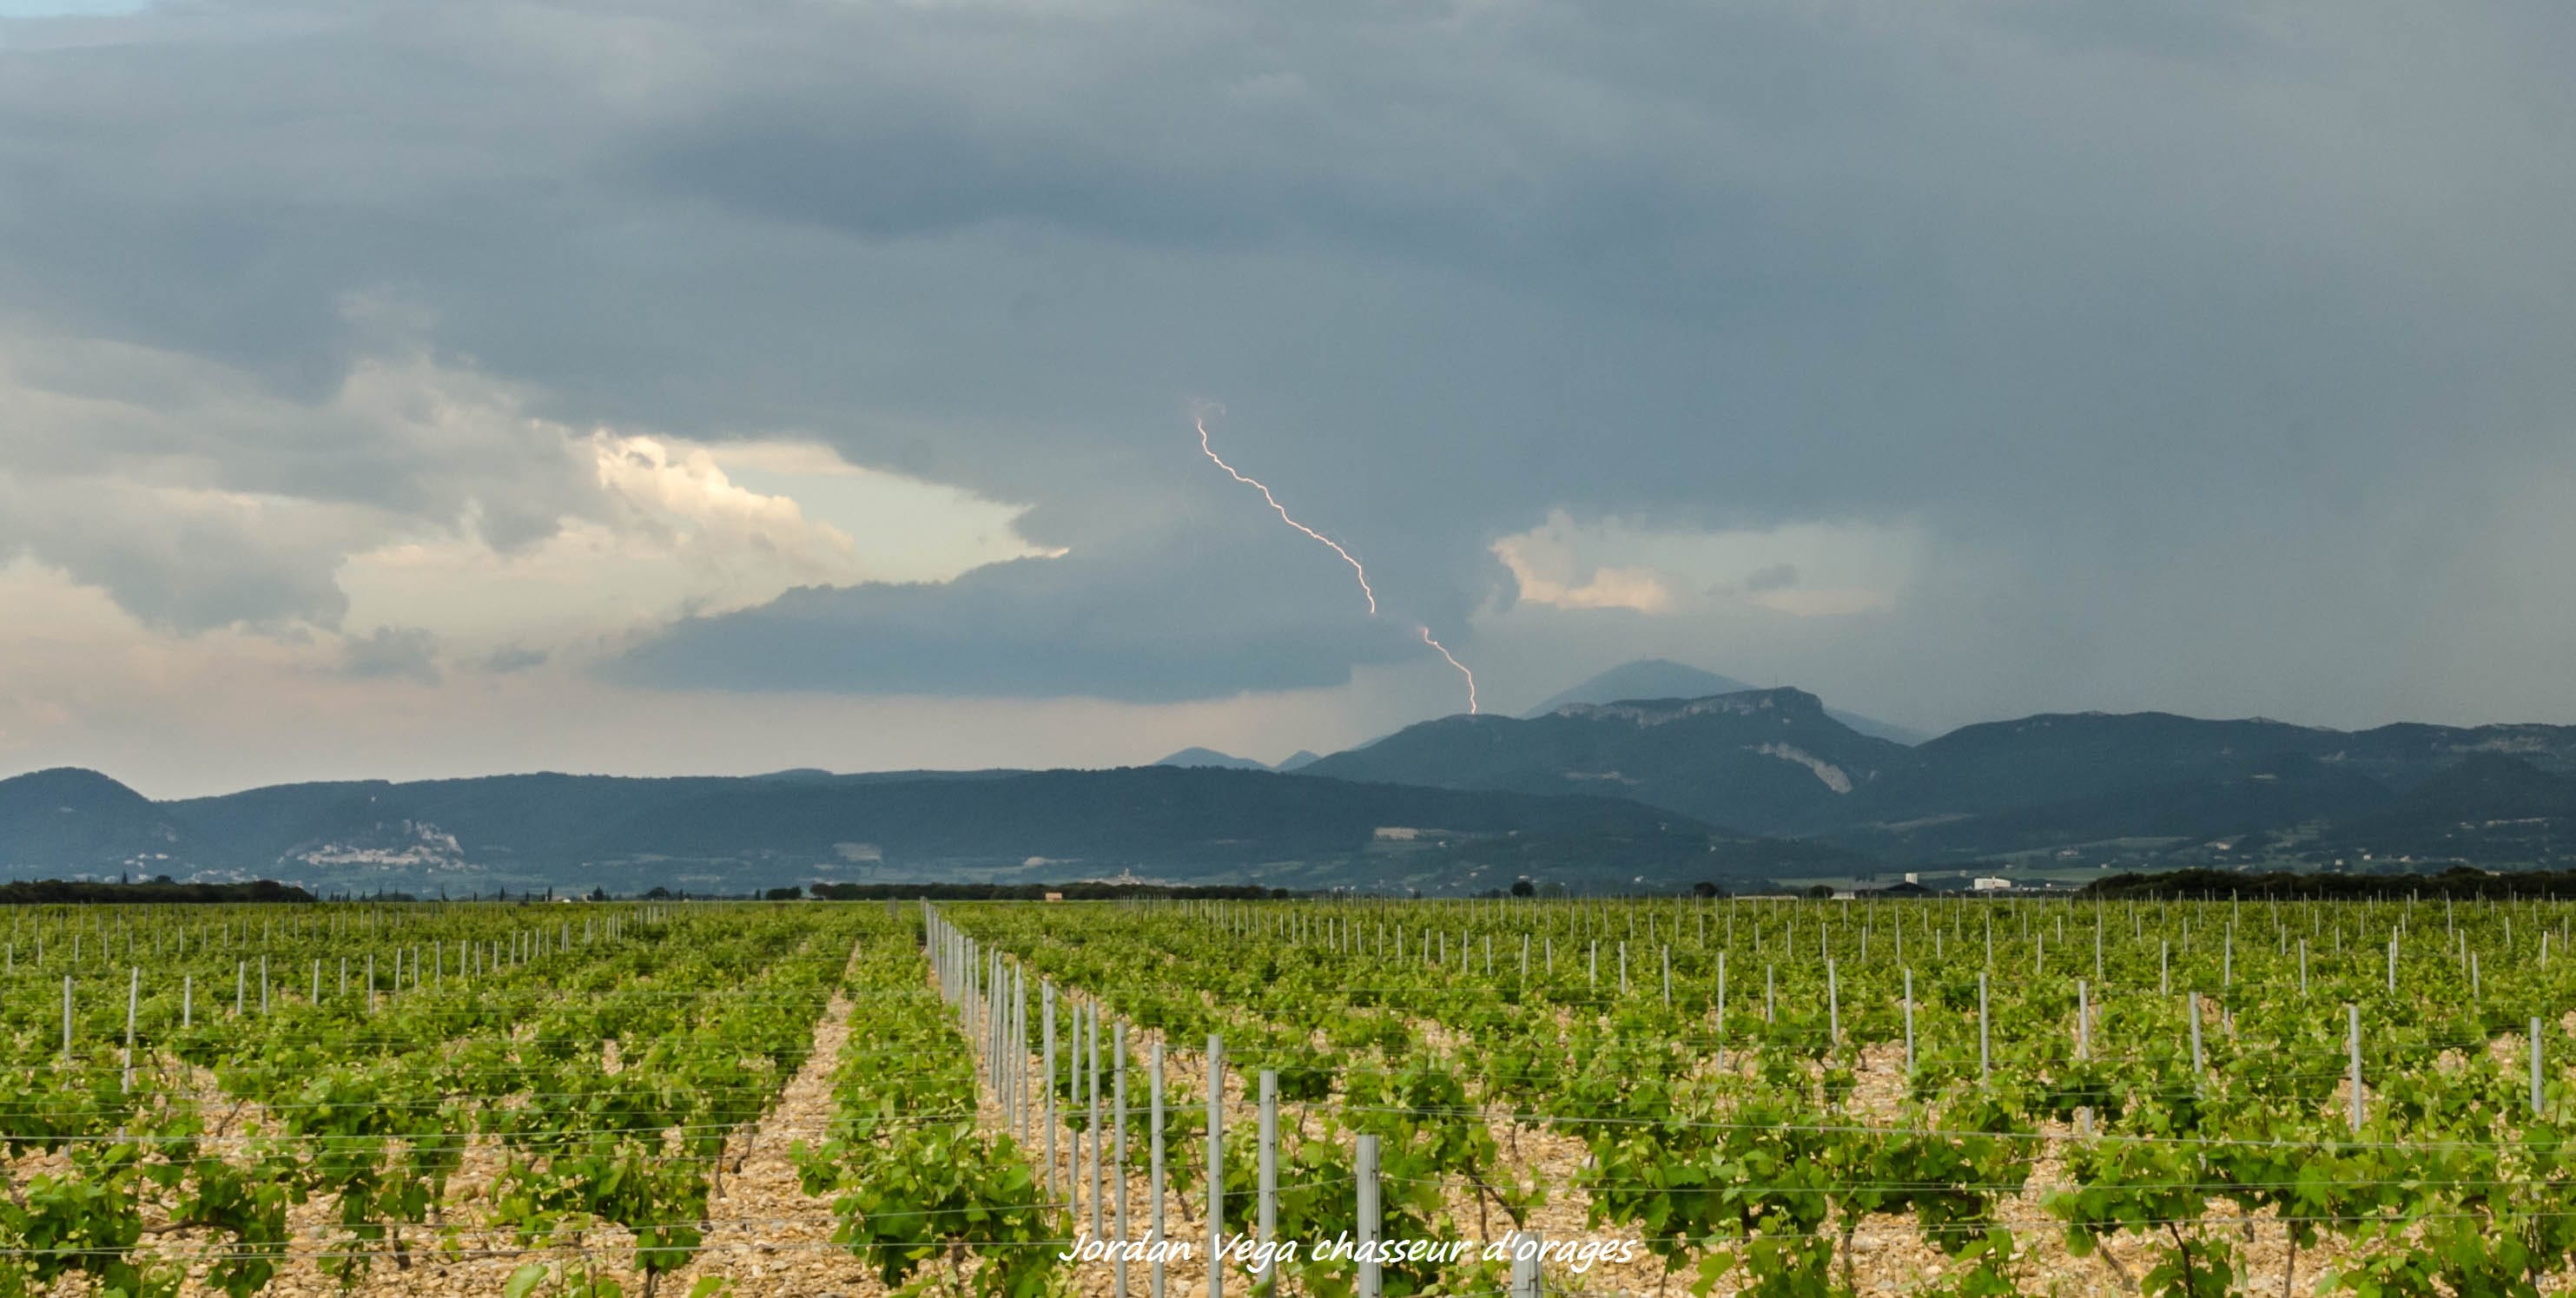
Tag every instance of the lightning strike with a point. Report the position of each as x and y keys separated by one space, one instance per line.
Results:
x=1335 y=546
x=1453 y=661
x=1282 y=510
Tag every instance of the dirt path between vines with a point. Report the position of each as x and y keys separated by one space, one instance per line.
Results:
x=763 y=1232
x=766 y=1234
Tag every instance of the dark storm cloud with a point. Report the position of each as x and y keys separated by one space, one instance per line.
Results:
x=189 y=564
x=1101 y=627
x=2167 y=315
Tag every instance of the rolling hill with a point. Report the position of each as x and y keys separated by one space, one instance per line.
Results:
x=2083 y=785
x=732 y=834
x=1766 y=761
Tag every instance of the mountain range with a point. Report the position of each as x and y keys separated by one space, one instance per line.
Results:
x=2137 y=788
x=1209 y=757
x=1645 y=678
x=736 y=834
x=1730 y=787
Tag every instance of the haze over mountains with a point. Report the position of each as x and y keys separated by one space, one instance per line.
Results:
x=1730 y=788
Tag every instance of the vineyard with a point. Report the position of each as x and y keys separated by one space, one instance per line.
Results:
x=1962 y=1097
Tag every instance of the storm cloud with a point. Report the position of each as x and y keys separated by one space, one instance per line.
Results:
x=2209 y=359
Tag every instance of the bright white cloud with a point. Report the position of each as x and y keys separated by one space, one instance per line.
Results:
x=1544 y=569
x=681 y=531
x=420 y=499
x=1802 y=570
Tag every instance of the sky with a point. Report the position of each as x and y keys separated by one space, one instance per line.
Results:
x=417 y=389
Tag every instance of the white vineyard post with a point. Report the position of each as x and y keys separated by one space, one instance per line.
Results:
x=1020 y=1054
x=1721 y=1008
x=1155 y=1080
x=1623 y=971
x=133 y=992
x=2352 y=1043
x=1073 y=1171
x=67 y=1017
x=1216 y=1163
x=1046 y=999
x=187 y=1000
x=1985 y=1055
x=996 y=1038
x=1118 y=1140
x=1909 y=1022
x=1525 y=1273
x=1594 y=966
x=1091 y=1035
x=1370 y=1276
x=1770 y=997
x=2535 y=1059
x=241 y=982
x=2191 y=1005
x=1833 y=1007
x=1265 y=1278
x=2083 y=1019
x=2164 y=967
x=2303 y=966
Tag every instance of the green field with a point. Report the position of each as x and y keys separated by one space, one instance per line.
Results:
x=1781 y=1097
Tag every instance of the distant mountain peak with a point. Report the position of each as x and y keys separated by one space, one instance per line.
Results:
x=1759 y=760
x=69 y=786
x=1646 y=678
x=1662 y=678
x=1209 y=757
x=1785 y=700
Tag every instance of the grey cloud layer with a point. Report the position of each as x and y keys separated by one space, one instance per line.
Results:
x=1094 y=626
x=2175 y=315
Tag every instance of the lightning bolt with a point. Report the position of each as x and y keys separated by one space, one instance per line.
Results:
x=1335 y=546
x=1282 y=510
x=1453 y=661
